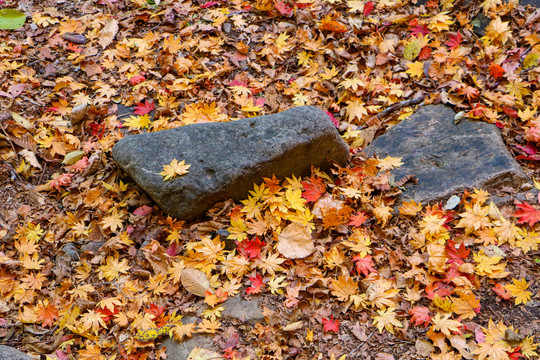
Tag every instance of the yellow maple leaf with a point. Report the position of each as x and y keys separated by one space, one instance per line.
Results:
x=276 y=284
x=93 y=320
x=519 y=291
x=440 y=22
x=415 y=69
x=174 y=169
x=489 y=5
x=496 y=351
x=343 y=288
x=465 y=306
x=386 y=320
x=210 y=326
x=410 y=208
x=445 y=324
x=497 y=31
x=389 y=163
x=518 y=89
x=489 y=266
x=113 y=268
x=138 y=122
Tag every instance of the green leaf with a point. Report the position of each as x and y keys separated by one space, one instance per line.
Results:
x=11 y=19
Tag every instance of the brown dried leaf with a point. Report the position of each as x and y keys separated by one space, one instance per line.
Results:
x=195 y=281
x=295 y=242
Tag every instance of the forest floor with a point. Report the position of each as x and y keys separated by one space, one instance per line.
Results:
x=90 y=267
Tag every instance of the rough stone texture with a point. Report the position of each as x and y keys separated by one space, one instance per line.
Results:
x=9 y=353
x=228 y=158
x=180 y=350
x=447 y=158
x=243 y=310
x=535 y=3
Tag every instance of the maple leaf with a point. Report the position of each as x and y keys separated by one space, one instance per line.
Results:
x=59 y=181
x=420 y=315
x=344 y=287
x=257 y=284
x=386 y=320
x=47 y=313
x=138 y=122
x=419 y=30
x=313 y=189
x=467 y=306
x=415 y=69
x=527 y=214
x=113 y=268
x=137 y=79
x=276 y=283
x=174 y=169
x=283 y=8
x=454 y=41
x=502 y=291
x=519 y=291
x=497 y=31
x=495 y=351
x=364 y=264
x=358 y=219
x=251 y=249
x=445 y=324
x=93 y=320
x=330 y=325
x=144 y=108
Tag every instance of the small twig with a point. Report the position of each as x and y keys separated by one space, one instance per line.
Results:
x=362 y=343
x=400 y=105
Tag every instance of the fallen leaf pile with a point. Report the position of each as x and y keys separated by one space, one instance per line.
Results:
x=90 y=268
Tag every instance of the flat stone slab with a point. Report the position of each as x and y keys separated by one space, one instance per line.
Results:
x=227 y=159
x=243 y=310
x=447 y=158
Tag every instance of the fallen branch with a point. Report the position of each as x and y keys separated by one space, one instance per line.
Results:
x=400 y=105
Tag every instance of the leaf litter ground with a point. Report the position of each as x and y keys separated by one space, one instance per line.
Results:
x=91 y=269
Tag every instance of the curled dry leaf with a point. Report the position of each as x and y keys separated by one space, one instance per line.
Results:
x=107 y=34
x=293 y=326
x=195 y=281
x=295 y=242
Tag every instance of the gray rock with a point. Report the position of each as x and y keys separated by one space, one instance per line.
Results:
x=9 y=353
x=242 y=310
x=534 y=3
x=447 y=158
x=180 y=350
x=228 y=158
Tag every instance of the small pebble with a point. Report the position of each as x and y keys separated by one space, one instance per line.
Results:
x=74 y=38
x=227 y=27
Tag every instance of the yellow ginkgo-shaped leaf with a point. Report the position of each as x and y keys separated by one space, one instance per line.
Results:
x=174 y=169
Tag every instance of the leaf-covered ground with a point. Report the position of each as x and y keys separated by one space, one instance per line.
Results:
x=90 y=267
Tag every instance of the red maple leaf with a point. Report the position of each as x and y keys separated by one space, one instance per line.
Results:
x=496 y=70
x=313 y=189
x=62 y=180
x=456 y=255
x=420 y=315
x=332 y=118
x=454 y=41
x=368 y=8
x=155 y=310
x=439 y=289
x=283 y=8
x=107 y=313
x=358 y=219
x=502 y=291
x=364 y=264
x=251 y=249
x=257 y=283
x=330 y=325
x=137 y=79
x=515 y=354
x=144 y=108
x=419 y=30
x=527 y=214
